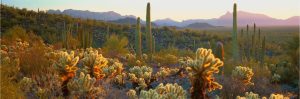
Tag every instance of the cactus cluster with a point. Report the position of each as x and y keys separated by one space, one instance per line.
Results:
x=83 y=86
x=243 y=74
x=168 y=91
x=140 y=75
x=201 y=72
x=115 y=69
x=94 y=63
x=164 y=72
x=66 y=64
x=249 y=95
x=278 y=96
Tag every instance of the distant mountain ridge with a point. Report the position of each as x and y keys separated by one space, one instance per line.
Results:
x=106 y=16
x=244 y=18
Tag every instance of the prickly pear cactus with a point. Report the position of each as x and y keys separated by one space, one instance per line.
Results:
x=93 y=63
x=243 y=74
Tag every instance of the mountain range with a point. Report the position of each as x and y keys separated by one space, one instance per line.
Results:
x=244 y=18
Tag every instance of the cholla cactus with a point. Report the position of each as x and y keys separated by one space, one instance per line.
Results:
x=115 y=69
x=244 y=74
x=120 y=79
x=183 y=61
x=278 y=96
x=93 y=63
x=164 y=72
x=140 y=75
x=66 y=64
x=201 y=71
x=249 y=95
x=168 y=91
x=83 y=86
x=132 y=94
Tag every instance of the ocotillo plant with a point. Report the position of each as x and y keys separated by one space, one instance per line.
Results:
x=235 y=49
x=138 y=39
x=148 y=30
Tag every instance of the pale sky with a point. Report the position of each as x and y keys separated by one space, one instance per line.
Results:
x=175 y=9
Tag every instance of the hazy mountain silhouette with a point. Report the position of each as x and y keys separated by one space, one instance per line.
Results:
x=244 y=18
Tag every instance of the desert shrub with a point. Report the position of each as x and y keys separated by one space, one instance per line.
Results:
x=287 y=72
x=165 y=59
x=115 y=46
x=14 y=33
x=9 y=87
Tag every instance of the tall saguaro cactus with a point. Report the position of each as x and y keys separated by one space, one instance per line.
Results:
x=235 y=48
x=148 y=30
x=263 y=49
x=138 y=39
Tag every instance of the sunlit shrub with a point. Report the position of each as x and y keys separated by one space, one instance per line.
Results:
x=115 y=46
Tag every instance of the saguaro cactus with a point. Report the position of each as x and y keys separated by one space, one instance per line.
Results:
x=263 y=49
x=148 y=30
x=138 y=39
x=235 y=49
x=153 y=44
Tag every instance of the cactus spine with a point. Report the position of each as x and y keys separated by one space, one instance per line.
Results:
x=138 y=39
x=148 y=30
x=234 y=35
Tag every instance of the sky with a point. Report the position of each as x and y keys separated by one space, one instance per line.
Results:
x=175 y=9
